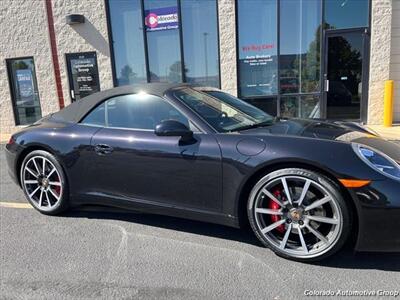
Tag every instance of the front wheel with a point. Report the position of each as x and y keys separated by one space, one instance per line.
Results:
x=299 y=214
x=44 y=183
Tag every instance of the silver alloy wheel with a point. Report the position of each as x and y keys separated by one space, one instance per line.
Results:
x=42 y=183
x=305 y=220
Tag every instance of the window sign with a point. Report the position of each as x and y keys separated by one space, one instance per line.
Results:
x=25 y=85
x=258 y=66
x=83 y=74
x=163 y=18
x=257 y=69
x=25 y=96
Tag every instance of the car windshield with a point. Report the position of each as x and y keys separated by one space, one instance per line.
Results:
x=222 y=111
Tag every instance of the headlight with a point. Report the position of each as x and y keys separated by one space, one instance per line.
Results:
x=378 y=160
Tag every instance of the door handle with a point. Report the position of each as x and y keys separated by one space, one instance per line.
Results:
x=103 y=149
x=326 y=85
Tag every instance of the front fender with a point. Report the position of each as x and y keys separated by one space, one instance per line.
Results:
x=334 y=158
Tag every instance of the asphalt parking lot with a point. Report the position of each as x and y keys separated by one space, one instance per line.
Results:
x=99 y=253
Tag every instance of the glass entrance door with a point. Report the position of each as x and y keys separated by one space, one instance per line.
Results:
x=345 y=74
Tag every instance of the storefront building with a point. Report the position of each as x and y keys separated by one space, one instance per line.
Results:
x=292 y=58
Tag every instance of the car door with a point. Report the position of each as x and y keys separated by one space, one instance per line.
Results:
x=130 y=162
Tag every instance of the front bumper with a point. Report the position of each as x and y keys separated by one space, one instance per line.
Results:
x=378 y=208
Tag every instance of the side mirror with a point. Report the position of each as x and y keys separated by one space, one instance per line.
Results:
x=173 y=128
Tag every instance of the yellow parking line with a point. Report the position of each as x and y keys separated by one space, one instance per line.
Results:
x=15 y=205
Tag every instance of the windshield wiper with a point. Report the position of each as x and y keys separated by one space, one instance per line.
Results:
x=255 y=125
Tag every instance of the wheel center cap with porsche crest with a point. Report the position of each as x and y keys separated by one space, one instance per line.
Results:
x=296 y=214
x=44 y=182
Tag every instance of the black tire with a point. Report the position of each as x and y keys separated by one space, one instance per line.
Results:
x=344 y=222
x=56 y=206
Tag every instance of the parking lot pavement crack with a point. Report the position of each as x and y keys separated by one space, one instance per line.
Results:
x=119 y=261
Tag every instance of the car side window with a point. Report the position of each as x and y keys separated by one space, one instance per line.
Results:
x=141 y=111
x=97 y=117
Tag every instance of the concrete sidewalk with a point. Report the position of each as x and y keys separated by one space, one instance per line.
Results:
x=390 y=133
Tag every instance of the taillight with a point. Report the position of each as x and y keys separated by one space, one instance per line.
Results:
x=11 y=141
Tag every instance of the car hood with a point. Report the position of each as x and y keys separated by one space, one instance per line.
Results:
x=328 y=130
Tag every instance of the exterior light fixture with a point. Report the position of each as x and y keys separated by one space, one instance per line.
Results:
x=75 y=19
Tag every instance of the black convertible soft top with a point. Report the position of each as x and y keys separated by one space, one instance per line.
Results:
x=77 y=110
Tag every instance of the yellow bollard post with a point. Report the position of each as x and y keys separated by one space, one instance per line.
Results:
x=388 y=106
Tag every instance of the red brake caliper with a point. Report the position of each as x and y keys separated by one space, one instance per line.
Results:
x=58 y=188
x=273 y=205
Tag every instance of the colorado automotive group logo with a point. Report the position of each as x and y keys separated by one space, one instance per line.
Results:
x=162 y=18
x=152 y=20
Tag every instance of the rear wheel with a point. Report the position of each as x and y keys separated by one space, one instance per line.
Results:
x=299 y=214
x=44 y=183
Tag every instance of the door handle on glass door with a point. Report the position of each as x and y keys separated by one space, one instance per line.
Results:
x=326 y=85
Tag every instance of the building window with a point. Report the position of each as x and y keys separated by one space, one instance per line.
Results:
x=300 y=24
x=346 y=13
x=24 y=91
x=269 y=105
x=162 y=31
x=127 y=41
x=200 y=41
x=294 y=83
x=257 y=47
x=153 y=38
x=306 y=106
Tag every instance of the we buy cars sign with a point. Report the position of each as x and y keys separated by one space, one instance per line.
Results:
x=164 y=18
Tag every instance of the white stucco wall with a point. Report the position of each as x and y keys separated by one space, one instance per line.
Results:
x=381 y=20
x=24 y=33
x=227 y=45
x=90 y=36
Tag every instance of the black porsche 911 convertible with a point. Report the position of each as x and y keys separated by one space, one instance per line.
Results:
x=305 y=186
